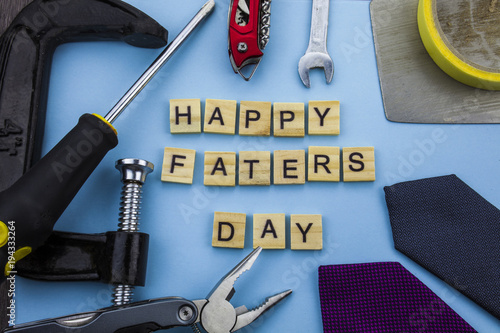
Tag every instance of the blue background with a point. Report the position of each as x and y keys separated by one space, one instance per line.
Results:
x=91 y=77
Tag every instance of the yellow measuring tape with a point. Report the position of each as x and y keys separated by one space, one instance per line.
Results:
x=446 y=57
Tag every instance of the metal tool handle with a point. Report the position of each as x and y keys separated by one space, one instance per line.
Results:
x=319 y=26
x=140 y=317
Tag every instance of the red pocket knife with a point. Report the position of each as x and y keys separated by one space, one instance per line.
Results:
x=248 y=25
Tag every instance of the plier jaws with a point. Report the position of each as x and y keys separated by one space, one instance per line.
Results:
x=218 y=315
x=214 y=314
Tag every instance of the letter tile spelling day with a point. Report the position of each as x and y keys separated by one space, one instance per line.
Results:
x=306 y=232
x=269 y=231
x=229 y=230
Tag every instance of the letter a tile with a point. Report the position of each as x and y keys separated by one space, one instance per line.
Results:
x=220 y=168
x=269 y=231
x=220 y=116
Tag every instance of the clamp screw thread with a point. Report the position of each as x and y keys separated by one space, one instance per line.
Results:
x=130 y=207
x=133 y=175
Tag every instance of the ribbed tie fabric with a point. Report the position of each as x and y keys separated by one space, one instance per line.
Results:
x=382 y=297
x=448 y=228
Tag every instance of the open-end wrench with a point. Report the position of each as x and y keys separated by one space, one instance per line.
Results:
x=316 y=55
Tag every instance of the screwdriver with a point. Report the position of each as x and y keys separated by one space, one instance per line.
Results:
x=31 y=206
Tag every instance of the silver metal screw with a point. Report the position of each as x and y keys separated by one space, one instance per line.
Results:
x=133 y=175
x=186 y=313
x=242 y=47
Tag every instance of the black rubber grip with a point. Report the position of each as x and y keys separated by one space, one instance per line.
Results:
x=36 y=201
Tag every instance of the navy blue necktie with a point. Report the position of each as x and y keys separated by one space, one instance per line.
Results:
x=445 y=226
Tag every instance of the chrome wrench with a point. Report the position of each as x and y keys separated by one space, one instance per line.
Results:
x=316 y=55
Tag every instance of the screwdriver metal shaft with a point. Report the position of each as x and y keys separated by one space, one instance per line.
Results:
x=159 y=62
x=37 y=200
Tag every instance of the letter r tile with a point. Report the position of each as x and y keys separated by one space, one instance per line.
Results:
x=229 y=230
x=323 y=164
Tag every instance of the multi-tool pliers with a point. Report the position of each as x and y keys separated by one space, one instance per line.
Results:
x=214 y=314
x=248 y=25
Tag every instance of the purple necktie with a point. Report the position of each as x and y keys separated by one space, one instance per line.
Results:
x=382 y=297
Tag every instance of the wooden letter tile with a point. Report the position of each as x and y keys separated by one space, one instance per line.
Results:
x=269 y=231
x=185 y=116
x=255 y=168
x=220 y=116
x=359 y=164
x=289 y=119
x=178 y=165
x=220 y=168
x=229 y=230
x=324 y=118
x=255 y=118
x=289 y=167
x=306 y=232
x=323 y=164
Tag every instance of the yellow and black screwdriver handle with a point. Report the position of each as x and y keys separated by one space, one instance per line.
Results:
x=31 y=206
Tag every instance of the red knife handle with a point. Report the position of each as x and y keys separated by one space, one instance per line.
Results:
x=248 y=34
